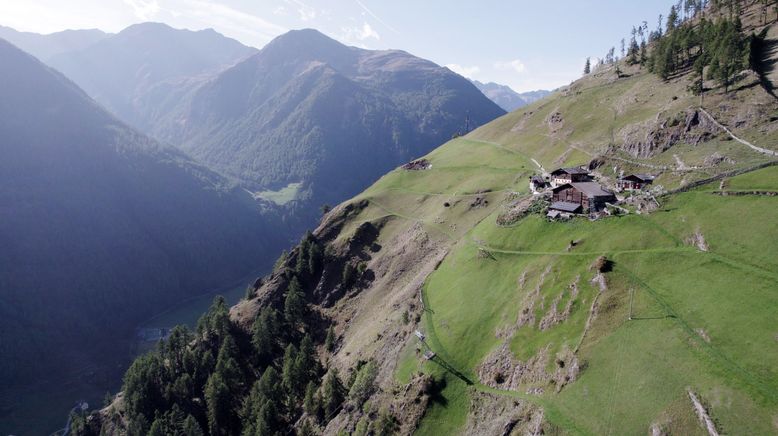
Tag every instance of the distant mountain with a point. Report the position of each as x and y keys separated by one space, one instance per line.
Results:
x=45 y=46
x=310 y=111
x=129 y=71
x=100 y=227
x=506 y=97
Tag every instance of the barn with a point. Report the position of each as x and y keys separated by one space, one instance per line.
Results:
x=562 y=176
x=590 y=195
x=537 y=183
x=635 y=182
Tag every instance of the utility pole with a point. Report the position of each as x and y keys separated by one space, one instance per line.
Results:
x=631 y=296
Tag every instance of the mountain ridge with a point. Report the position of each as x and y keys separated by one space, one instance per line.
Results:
x=507 y=98
x=100 y=226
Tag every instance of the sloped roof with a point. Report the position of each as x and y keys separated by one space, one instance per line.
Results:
x=591 y=189
x=572 y=170
x=565 y=206
x=641 y=177
x=537 y=179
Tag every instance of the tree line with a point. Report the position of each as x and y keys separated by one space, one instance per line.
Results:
x=223 y=380
x=704 y=37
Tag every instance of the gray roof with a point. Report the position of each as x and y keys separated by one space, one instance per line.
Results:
x=537 y=179
x=591 y=189
x=573 y=170
x=565 y=206
x=643 y=177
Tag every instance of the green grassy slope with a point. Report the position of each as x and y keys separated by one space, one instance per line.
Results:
x=701 y=320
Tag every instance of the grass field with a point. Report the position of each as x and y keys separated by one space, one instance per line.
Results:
x=702 y=320
x=282 y=196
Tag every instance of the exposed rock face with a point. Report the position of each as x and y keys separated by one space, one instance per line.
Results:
x=652 y=137
x=501 y=370
x=492 y=415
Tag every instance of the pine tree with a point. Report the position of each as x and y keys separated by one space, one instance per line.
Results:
x=329 y=341
x=217 y=400
x=672 y=19
x=294 y=305
x=191 y=427
x=587 y=66
x=310 y=405
x=289 y=369
x=333 y=394
x=264 y=333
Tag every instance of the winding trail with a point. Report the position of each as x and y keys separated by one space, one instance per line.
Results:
x=742 y=141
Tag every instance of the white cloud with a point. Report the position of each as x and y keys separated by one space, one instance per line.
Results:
x=306 y=12
x=358 y=35
x=377 y=18
x=280 y=10
x=143 y=9
x=515 y=65
x=468 y=72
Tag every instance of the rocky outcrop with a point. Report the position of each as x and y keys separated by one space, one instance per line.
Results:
x=494 y=415
x=649 y=138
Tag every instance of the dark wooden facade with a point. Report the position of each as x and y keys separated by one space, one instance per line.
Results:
x=634 y=182
x=589 y=195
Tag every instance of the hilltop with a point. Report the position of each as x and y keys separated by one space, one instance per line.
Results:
x=442 y=301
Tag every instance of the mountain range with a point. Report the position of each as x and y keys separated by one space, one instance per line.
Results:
x=289 y=118
x=444 y=299
x=506 y=97
x=155 y=183
x=100 y=227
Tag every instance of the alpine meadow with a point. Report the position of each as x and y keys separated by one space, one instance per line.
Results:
x=225 y=218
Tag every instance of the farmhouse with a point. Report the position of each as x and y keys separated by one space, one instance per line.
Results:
x=590 y=195
x=562 y=176
x=635 y=182
x=563 y=209
x=538 y=183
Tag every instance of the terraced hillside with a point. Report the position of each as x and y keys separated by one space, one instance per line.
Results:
x=579 y=327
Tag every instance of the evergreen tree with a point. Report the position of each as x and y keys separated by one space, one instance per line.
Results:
x=218 y=404
x=306 y=429
x=226 y=363
x=264 y=333
x=191 y=427
x=329 y=341
x=290 y=378
x=364 y=384
x=333 y=394
x=312 y=401
x=294 y=304
x=672 y=19
x=587 y=66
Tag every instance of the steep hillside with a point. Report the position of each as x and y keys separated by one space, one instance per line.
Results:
x=45 y=46
x=131 y=72
x=306 y=110
x=506 y=97
x=99 y=228
x=456 y=307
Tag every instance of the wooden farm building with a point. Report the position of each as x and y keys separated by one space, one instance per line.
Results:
x=538 y=183
x=562 y=176
x=635 y=182
x=563 y=209
x=590 y=195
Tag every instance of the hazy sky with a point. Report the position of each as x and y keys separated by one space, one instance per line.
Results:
x=525 y=44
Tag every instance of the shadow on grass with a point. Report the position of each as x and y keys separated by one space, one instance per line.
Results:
x=437 y=359
x=645 y=318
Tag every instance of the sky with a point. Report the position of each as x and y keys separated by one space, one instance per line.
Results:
x=524 y=44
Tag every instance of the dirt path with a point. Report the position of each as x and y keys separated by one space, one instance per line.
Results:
x=703 y=415
x=742 y=141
